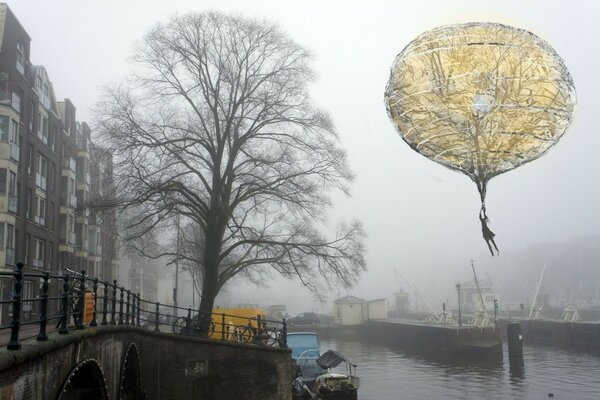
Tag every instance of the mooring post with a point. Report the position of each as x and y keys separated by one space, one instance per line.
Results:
x=15 y=324
x=515 y=344
x=42 y=337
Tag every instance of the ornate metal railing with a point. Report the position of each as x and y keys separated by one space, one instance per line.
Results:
x=116 y=305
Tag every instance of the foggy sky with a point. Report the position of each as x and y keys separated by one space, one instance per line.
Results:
x=419 y=216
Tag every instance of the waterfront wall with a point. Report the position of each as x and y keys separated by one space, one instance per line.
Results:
x=166 y=367
x=585 y=334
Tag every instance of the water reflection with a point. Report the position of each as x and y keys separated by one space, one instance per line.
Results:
x=391 y=372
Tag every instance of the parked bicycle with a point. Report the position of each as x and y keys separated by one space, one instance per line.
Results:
x=257 y=331
x=75 y=302
x=196 y=325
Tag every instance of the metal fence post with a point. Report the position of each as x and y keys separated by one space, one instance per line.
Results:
x=95 y=288
x=104 y=305
x=42 y=337
x=127 y=307
x=79 y=319
x=139 y=306
x=223 y=327
x=64 y=306
x=121 y=306
x=114 y=303
x=15 y=324
x=156 y=322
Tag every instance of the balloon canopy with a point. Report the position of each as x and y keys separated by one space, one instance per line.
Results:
x=480 y=98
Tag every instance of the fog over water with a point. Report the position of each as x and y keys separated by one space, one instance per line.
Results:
x=420 y=217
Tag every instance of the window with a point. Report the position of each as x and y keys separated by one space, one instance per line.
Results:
x=42 y=171
x=21 y=57
x=27 y=294
x=51 y=137
x=27 y=241
x=10 y=247
x=30 y=161
x=32 y=117
x=50 y=255
x=14 y=139
x=3 y=174
x=40 y=211
x=12 y=192
x=4 y=127
x=43 y=134
x=16 y=102
x=29 y=211
x=38 y=253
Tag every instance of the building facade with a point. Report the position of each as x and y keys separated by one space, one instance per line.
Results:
x=49 y=172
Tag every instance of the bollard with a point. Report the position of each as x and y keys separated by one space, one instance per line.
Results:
x=95 y=289
x=104 y=303
x=515 y=344
x=42 y=337
x=15 y=324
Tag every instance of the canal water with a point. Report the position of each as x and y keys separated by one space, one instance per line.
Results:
x=388 y=373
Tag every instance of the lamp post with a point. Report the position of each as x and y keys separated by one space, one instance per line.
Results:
x=459 y=315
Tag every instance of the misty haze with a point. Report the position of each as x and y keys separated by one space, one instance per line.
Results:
x=202 y=199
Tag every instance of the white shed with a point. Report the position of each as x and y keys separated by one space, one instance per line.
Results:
x=350 y=310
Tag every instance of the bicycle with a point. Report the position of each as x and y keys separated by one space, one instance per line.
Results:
x=260 y=334
x=180 y=325
x=75 y=302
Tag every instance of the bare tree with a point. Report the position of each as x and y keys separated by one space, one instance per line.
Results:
x=217 y=127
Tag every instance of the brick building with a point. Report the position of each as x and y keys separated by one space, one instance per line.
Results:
x=49 y=170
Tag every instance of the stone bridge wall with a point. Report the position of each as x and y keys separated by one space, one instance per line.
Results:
x=170 y=367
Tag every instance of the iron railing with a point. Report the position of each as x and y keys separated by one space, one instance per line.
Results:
x=116 y=305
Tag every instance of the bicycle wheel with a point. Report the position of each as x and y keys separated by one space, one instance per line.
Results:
x=242 y=334
x=270 y=337
x=179 y=324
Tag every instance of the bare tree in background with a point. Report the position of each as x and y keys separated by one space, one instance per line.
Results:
x=217 y=127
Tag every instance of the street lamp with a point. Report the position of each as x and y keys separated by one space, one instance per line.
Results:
x=459 y=315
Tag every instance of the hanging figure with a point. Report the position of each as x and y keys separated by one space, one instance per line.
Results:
x=488 y=235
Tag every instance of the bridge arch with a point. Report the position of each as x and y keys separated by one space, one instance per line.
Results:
x=130 y=386
x=85 y=381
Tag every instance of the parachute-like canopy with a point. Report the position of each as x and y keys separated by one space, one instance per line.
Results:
x=480 y=98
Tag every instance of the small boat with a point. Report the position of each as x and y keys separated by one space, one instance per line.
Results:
x=313 y=379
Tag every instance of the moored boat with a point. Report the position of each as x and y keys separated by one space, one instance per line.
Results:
x=313 y=379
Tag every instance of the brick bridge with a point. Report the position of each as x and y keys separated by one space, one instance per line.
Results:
x=118 y=358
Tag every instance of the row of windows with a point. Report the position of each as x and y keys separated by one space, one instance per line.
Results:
x=42 y=249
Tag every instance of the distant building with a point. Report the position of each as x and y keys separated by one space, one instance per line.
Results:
x=350 y=310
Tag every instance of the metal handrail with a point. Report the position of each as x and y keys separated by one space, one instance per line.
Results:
x=121 y=306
